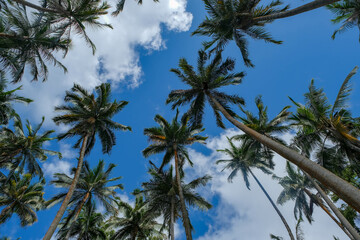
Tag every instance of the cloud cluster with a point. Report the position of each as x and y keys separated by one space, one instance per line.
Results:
x=244 y=214
x=117 y=57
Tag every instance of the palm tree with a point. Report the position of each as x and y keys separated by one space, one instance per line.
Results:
x=20 y=148
x=162 y=195
x=73 y=15
x=19 y=196
x=88 y=116
x=243 y=159
x=6 y=99
x=89 y=226
x=299 y=232
x=235 y=19
x=172 y=138
x=204 y=84
x=261 y=123
x=137 y=222
x=347 y=12
x=120 y=6
x=28 y=42
x=92 y=184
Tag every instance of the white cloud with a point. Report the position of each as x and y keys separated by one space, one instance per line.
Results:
x=244 y=214
x=116 y=59
x=67 y=151
x=56 y=166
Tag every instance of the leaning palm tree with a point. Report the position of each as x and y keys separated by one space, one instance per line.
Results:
x=172 y=138
x=73 y=15
x=28 y=41
x=90 y=225
x=21 y=197
x=7 y=98
x=204 y=84
x=22 y=147
x=92 y=185
x=244 y=159
x=297 y=187
x=236 y=19
x=137 y=222
x=87 y=117
x=162 y=195
x=347 y=12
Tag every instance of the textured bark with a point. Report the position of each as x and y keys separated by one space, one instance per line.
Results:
x=335 y=210
x=275 y=207
x=66 y=201
x=185 y=215
x=342 y=188
x=303 y=8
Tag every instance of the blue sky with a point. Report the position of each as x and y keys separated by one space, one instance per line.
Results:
x=147 y=41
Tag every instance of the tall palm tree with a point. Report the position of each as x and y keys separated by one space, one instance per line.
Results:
x=347 y=12
x=204 y=84
x=243 y=159
x=137 y=222
x=87 y=117
x=235 y=19
x=21 y=197
x=92 y=184
x=7 y=98
x=172 y=138
x=89 y=226
x=28 y=41
x=22 y=148
x=120 y=6
x=73 y=15
x=162 y=195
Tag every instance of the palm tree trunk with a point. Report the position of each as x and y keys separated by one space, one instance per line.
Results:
x=172 y=219
x=342 y=188
x=134 y=234
x=304 y=8
x=329 y=214
x=68 y=196
x=4 y=211
x=34 y=6
x=335 y=210
x=77 y=213
x=185 y=216
x=274 y=205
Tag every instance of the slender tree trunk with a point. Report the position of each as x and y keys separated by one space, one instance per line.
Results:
x=329 y=214
x=134 y=234
x=66 y=201
x=335 y=210
x=346 y=191
x=185 y=215
x=172 y=219
x=77 y=213
x=34 y=6
x=304 y=8
x=4 y=211
x=274 y=205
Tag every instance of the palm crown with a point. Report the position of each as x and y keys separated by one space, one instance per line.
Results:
x=234 y=20
x=89 y=116
x=204 y=84
x=21 y=197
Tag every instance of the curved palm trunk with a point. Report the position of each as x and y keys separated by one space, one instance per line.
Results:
x=77 y=213
x=274 y=205
x=304 y=8
x=346 y=191
x=172 y=219
x=335 y=210
x=185 y=216
x=66 y=201
x=329 y=214
x=34 y=6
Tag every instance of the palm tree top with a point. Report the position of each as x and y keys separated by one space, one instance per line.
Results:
x=205 y=83
x=172 y=137
x=89 y=115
